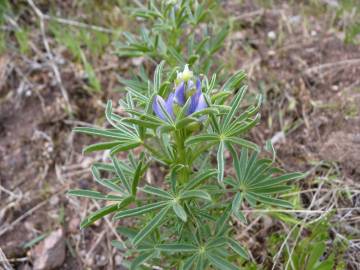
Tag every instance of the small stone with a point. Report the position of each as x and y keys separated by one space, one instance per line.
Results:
x=54 y=200
x=271 y=53
x=271 y=35
x=137 y=61
x=50 y=253
x=74 y=225
x=118 y=260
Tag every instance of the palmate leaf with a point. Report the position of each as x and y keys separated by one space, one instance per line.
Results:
x=140 y=210
x=179 y=211
x=157 y=192
x=268 y=200
x=199 y=178
x=234 y=107
x=141 y=259
x=202 y=138
x=200 y=194
x=234 y=81
x=106 y=133
x=236 y=247
x=221 y=161
x=243 y=143
x=125 y=136
x=106 y=183
x=188 y=263
x=94 y=195
x=149 y=227
x=235 y=207
x=125 y=146
x=100 y=146
x=105 y=211
x=120 y=173
x=220 y=263
x=256 y=182
x=177 y=247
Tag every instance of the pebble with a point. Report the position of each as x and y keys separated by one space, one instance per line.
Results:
x=50 y=253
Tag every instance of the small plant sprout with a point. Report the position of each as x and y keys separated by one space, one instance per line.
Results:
x=183 y=123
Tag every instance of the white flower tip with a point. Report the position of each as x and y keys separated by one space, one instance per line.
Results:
x=187 y=74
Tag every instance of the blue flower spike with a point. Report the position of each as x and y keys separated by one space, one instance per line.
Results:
x=185 y=89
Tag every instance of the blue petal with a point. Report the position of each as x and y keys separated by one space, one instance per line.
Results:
x=195 y=98
x=198 y=84
x=180 y=94
x=169 y=105
x=158 y=99
x=201 y=103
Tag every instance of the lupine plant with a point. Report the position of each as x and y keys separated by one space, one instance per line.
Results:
x=178 y=32
x=184 y=123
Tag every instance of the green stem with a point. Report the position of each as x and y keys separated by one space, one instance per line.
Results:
x=181 y=156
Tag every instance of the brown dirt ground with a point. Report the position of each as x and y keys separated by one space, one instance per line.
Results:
x=311 y=81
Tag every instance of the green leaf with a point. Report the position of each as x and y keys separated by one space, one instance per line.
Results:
x=93 y=195
x=177 y=247
x=158 y=192
x=125 y=146
x=145 y=231
x=243 y=142
x=185 y=122
x=140 y=210
x=179 y=211
x=103 y=212
x=141 y=259
x=188 y=263
x=234 y=81
x=235 y=207
x=202 y=138
x=275 y=181
x=216 y=243
x=143 y=123
x=102 y=133
x=157 y=76
x=119 y=245
x=270 y=148
x=221 y=162
x=236 y=247
x=234 y=106
x=199 y=178
x=268 y=200
x=106 y=183
x=174 y=53
x=220 y=262
x=201 y=194
x=317 y=251
x=222 y=220
x=270 y=190
x=206 y=111
x=100 y=146
x=137 y=176
x=120 y=173
x=200 y=262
